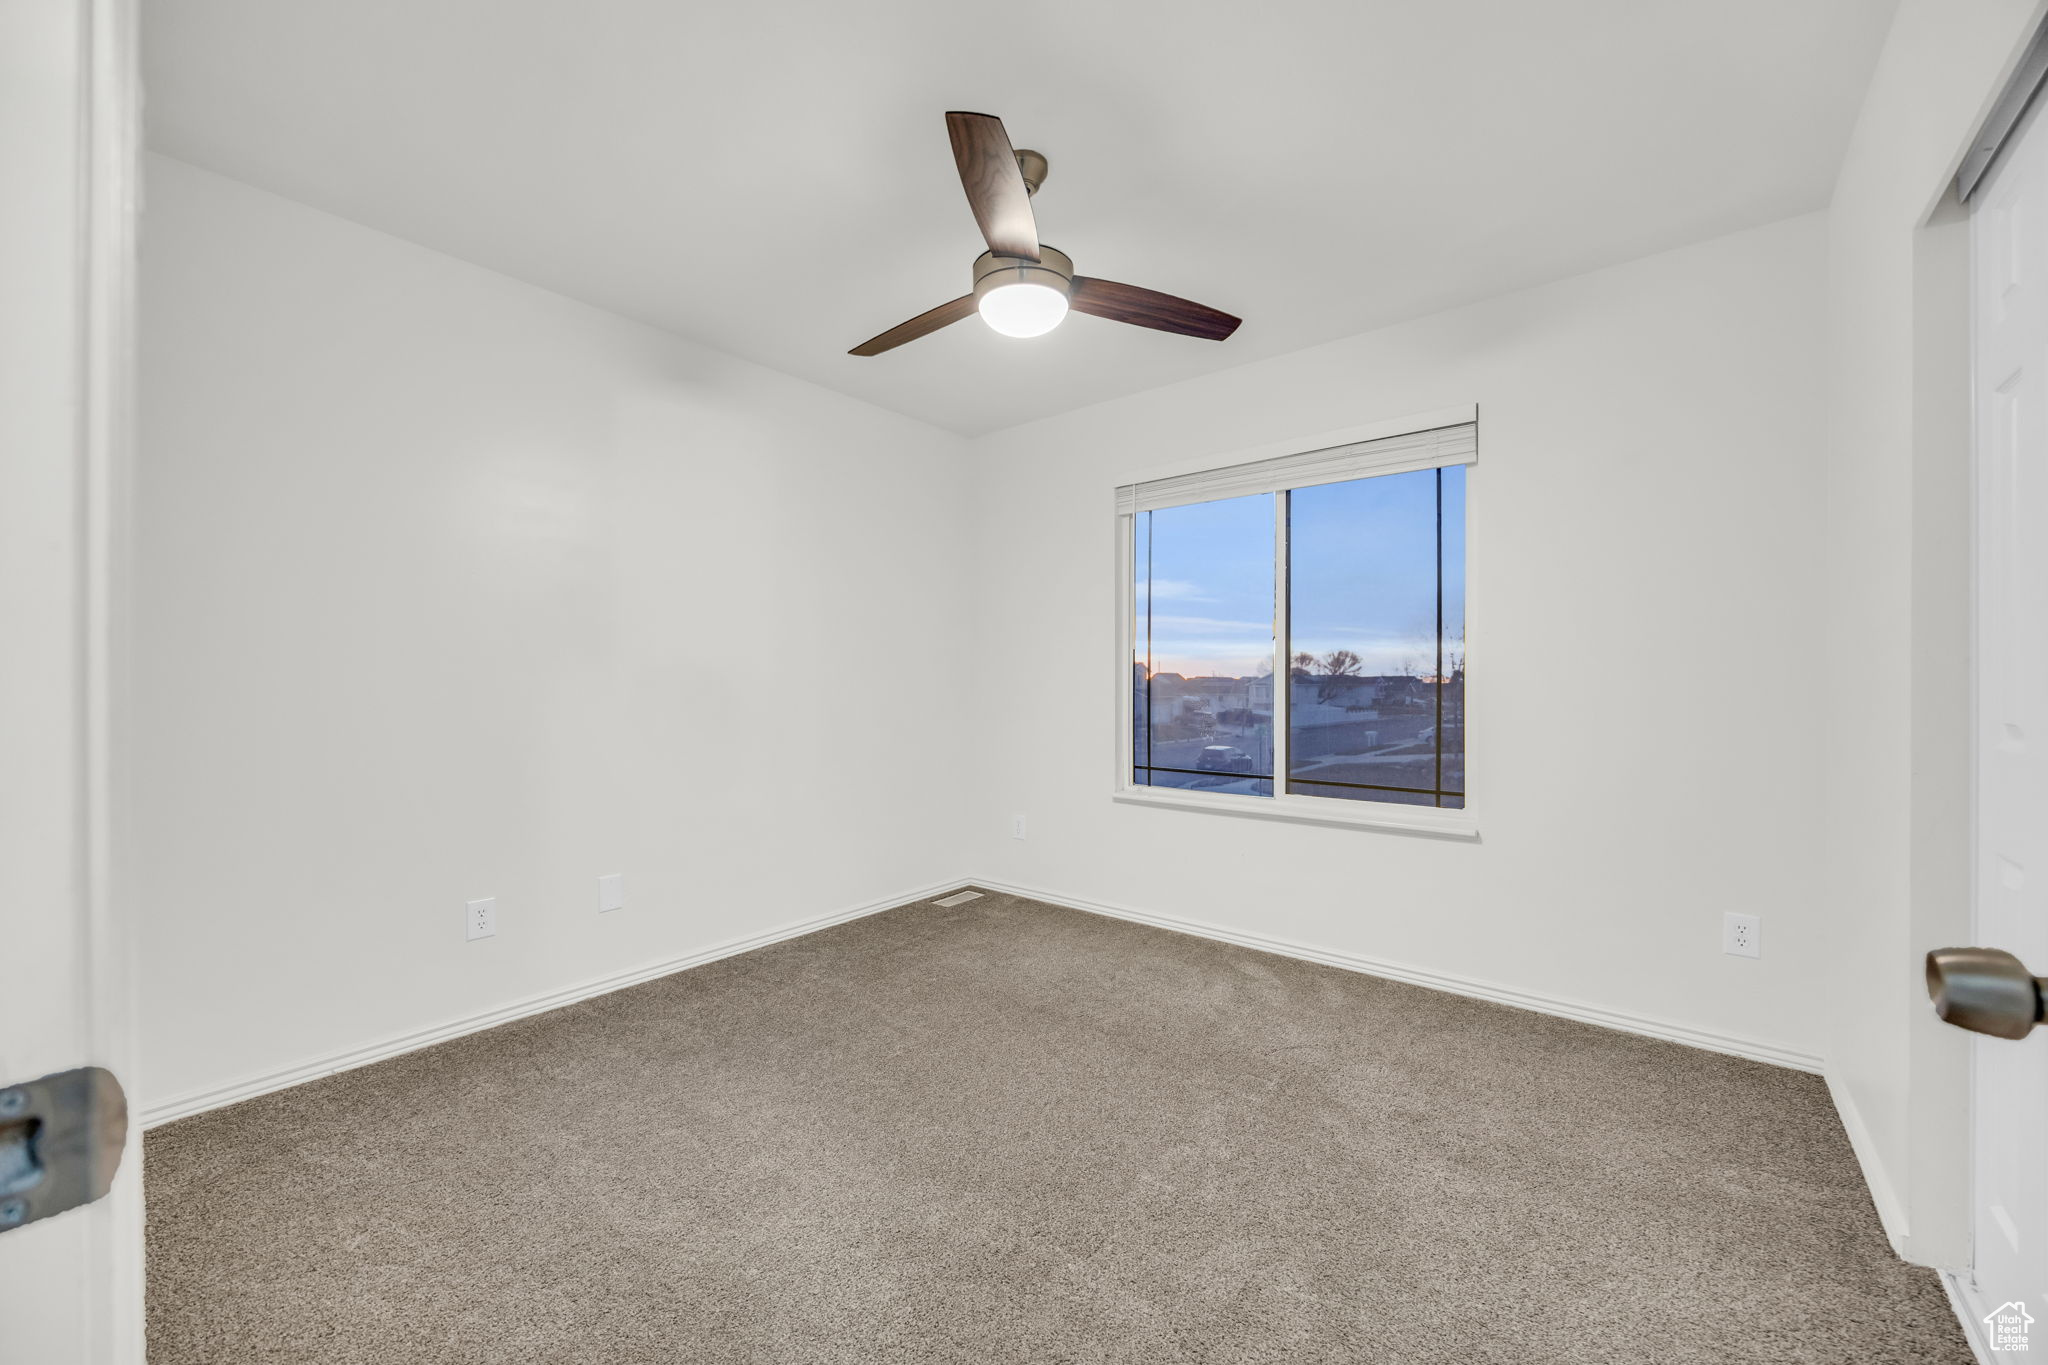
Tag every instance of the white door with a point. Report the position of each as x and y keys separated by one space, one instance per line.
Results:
x=70 y=1284
x=2010 y=253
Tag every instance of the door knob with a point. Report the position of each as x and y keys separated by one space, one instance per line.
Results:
x=1985 y=990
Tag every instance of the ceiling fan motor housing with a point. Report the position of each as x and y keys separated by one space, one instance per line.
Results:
x=1054 y=269
x=1032 y=166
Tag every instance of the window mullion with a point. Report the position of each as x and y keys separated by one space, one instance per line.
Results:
x=1282 y=688
x=1439 y=689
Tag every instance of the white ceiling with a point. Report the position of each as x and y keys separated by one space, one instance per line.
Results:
x=774 y=179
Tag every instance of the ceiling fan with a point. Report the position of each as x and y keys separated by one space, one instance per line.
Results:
x=1022 y=288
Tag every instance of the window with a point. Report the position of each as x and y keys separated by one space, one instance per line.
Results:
x=1296 y=631
x=1205 y=676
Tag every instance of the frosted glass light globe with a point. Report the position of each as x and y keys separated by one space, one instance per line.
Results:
x=1023 y=310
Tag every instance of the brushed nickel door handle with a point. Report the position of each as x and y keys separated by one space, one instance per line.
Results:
x=60 y=1143
x=1985 y=990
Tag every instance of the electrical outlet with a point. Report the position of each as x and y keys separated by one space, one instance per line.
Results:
x=1742 y=935
x=482 y=917
x=1016 y=827
x=611 y=892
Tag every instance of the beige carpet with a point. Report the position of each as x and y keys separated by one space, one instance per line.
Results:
x=1009 y=1132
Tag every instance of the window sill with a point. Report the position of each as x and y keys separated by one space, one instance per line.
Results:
x=1311 y=810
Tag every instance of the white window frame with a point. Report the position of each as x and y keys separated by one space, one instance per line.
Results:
x=1281 y=805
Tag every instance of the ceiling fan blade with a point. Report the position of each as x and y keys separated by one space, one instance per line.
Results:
x=995 y=187
x=929 y=321
x=1149 y=308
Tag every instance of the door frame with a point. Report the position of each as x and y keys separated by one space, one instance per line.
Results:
x=114 y=143
x=66 y=691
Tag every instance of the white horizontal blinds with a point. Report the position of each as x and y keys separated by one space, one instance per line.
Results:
x=1389 y=455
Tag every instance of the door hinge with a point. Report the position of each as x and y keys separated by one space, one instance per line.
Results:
x=60 y=1143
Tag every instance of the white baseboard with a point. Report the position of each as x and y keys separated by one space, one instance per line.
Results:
x=213 y=1097
x=1752 y=1048
x=1970 y=1312
x=1891 y=1211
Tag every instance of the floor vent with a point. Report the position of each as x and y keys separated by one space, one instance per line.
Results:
x=959 y=898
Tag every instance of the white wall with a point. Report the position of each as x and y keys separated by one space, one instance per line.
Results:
x=1645 y=573
x=1896 y=853
x=450 y=587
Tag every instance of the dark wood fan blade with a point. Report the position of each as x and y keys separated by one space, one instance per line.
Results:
x=994 y=185
x=1149 y=308
x=945 y=315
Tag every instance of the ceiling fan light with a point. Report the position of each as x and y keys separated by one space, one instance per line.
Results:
x=1022 y=310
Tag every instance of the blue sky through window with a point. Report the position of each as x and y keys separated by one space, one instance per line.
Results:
x=1363 y=563
x=1362 y=570
x=1211 y=588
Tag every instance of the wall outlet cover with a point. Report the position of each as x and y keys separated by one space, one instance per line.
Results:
x=611 y=892
x=481 y=917
x=1742 y=935
x=1016 y=827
